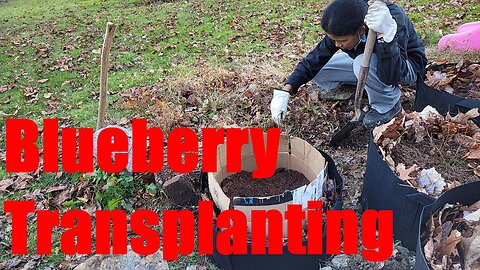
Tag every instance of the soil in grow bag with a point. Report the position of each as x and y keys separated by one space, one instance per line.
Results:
x=430 y=152
x=243 y=185
x=462 y=79
x=332 y=191
x=445 y=155
x=452 y=237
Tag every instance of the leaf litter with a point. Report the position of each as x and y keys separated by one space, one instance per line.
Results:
x=452 y=238
x=462 y=79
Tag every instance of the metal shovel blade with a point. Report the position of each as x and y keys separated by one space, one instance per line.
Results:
x=343 y=133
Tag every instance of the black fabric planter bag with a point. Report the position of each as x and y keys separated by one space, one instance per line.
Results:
x=466 y=194
x=287 y=260
x=383 y=190
x=443 y=101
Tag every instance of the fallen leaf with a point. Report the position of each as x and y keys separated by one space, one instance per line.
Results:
x=438 y=79
x=6 y=87
x=460 y=64
x=447 y=246
x=476 y=171
x=65 y=83
x=55 y=188
x=42 y=81
x=471 y=250
x=428 y=248
x=6 y=183
x=429 y=113
x=391 y=130
x=452 y=185
x=68 y=47
x=404 y=173
x=2 y=113
x=90 y=209
x=440 y=61
x=474 y=152
x=462 y=118
x=62 y=197
x=47 y=95
x=474 y=216
x=475 y=69
x=464 y=140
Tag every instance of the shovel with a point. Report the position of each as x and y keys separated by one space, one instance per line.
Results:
x=359 y=114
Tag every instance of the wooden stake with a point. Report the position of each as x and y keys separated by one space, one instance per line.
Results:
x=107 y=43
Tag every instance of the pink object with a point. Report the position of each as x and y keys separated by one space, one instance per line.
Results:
x=467 y=26
x=467 y=38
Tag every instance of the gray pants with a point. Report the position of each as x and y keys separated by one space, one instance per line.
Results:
x=343 y=69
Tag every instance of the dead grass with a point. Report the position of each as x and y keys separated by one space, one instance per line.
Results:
x=433 y=53
x=208 y=96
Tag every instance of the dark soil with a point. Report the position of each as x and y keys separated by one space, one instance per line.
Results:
x=447 y=158
x=317 y=122
x=243 y=185
x=408 y=97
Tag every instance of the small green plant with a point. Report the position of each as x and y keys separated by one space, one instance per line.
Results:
x=114 y=190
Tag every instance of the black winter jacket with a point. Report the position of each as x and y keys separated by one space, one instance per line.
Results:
x=392 y=65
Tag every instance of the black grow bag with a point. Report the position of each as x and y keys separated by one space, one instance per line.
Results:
x=466 y=194
x=287 y=260
x=383 y=190
x=443 y=101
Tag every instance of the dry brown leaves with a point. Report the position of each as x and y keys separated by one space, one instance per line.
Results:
x=462 y=79
x=208 y=96
x=17 y=181
x=6 y=87
x=421 y=125
x=453 y=238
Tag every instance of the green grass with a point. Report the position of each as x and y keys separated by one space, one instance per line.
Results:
x=153 y=42
x=166 y=37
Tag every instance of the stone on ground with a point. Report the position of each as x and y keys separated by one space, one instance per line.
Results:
x=180 y=190
x=131 y=260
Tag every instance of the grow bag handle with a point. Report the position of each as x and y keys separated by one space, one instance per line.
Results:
x=414 y=203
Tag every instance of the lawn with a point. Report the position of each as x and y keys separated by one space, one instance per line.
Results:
x=177 y=63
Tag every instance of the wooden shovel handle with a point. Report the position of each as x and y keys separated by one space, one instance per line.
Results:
x=362 y=78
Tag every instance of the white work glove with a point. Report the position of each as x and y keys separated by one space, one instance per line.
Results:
x=380 y=20
x=278 y=106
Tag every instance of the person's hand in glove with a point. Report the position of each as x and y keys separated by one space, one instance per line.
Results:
x=278 y=106
x=380 y=20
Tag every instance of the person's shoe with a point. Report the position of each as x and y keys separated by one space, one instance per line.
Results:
x=373 y=118
x=341 y=92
